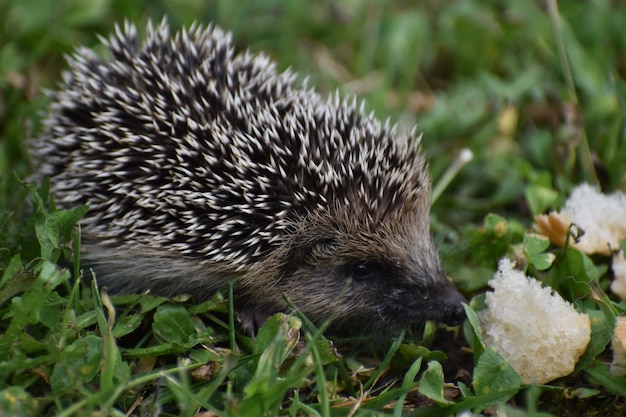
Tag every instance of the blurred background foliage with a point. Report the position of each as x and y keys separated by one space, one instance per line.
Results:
x=451 y=67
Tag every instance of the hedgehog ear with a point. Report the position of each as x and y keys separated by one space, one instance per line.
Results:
x=301 y=250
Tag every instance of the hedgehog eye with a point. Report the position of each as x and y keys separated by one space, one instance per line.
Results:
x=361 y=270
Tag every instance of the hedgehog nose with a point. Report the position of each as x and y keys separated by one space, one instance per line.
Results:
x=454 y=314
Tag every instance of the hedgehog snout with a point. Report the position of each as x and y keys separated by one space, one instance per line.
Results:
x=444 y=302
x=416 y=303
x=452 y=310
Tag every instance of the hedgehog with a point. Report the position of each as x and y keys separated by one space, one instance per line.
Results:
x=201 y=164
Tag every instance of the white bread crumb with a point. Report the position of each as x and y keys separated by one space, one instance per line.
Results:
x=618 y=343
x=601 y=216
x=538 y=333
x=618 y=286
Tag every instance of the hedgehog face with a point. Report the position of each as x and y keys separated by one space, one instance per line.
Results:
x=374 y=292
x=387 y=275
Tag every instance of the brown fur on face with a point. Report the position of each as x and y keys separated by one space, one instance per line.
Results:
x=334 y=268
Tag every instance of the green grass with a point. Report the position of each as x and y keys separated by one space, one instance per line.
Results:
x=536 y=93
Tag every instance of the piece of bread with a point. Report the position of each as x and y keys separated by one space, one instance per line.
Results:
x=538 y=333
x=602 y=217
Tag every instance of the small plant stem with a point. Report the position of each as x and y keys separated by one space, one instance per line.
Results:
x=461 y=160
x=231 y=316
x=585 y=155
